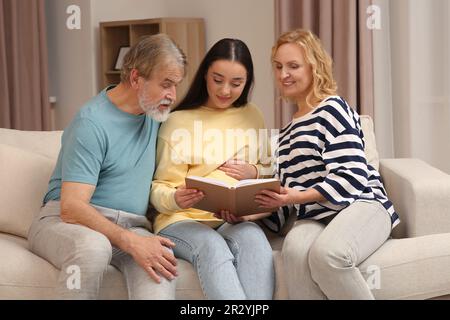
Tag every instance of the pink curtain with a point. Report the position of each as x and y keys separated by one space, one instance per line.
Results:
x=341 y=26
x=23 y=65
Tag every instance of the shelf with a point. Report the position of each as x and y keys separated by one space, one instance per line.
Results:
x=138 y=30
x=188 y=33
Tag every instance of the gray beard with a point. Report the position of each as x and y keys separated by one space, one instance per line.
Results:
x=152 y=109
x=157 y=115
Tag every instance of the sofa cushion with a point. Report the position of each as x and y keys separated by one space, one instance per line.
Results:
x=24 y=180
x=410 y=268
x=24 y=275
x=369 y=138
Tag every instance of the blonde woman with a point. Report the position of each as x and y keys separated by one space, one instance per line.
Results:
x=339 y=203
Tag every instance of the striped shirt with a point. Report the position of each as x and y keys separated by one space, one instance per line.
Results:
x=324 y=150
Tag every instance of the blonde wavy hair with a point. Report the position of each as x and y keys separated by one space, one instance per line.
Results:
x=320 y=61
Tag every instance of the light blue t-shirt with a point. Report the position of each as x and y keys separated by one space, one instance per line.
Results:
x=112 y=150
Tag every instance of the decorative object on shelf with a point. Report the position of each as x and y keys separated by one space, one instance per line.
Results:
x=119 y=62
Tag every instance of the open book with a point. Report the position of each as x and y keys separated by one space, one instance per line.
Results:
x=238 y=199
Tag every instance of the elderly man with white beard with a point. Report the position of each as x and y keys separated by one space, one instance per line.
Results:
x=94 y=213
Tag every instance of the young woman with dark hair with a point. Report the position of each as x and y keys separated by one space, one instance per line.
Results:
x=210 y=134
x=226 y=50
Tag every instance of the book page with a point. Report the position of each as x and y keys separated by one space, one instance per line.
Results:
x=209 y=180
x=248 y=182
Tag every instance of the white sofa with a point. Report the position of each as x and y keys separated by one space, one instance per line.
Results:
x=414 y=265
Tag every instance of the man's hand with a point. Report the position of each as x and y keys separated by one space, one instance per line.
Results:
x=186 y=198
x=270 y=199
x=151 y=253
x=239 y=169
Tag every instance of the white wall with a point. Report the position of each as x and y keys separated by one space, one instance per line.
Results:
x=70 y=59
x=421 y=87
x=252 y=21
x=74 y=55
x=383 y=113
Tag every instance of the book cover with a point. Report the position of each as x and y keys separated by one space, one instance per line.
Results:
x=238 y=199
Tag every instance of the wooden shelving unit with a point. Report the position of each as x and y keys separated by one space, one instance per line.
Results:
x=188 y=33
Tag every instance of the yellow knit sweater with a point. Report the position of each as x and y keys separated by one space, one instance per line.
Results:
x=197 y=142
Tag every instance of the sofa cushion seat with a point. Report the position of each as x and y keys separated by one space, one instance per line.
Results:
x=411 y=268
x=24 y=275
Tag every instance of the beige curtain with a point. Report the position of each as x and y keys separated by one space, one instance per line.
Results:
x=341 y=26
x=23 y=65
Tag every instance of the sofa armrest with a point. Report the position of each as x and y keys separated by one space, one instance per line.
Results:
x=421 y=196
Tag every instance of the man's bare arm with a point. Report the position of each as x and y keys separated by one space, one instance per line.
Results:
x=149 y=252
x=76 y=209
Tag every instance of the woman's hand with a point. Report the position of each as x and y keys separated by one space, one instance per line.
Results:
x=270 y=199
x=186 y=198
x=228 y=217
x=239 y=169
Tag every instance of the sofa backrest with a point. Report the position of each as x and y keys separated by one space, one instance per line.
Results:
x=44 y=143
x=27 y=160
x=369 y=138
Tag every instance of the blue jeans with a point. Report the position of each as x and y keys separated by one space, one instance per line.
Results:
x=232 y=262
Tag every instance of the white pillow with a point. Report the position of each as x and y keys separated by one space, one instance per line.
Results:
x=24 y=178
